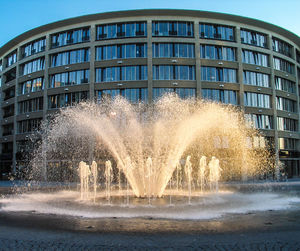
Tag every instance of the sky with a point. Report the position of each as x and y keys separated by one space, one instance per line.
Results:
x=19 y=16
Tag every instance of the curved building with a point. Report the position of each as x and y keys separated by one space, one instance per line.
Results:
x=143 y=54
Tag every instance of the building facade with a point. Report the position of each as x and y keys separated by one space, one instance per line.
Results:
x=143 y=54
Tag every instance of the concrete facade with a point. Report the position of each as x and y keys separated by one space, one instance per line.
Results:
x=11 y=138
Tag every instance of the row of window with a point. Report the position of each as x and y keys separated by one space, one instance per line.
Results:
x=108 y=52
x=70 y=57
x=159 y=50
x=218 y=74
x=127 y=73
x=259 y=121
x=287 y=124
x=32 y=105
x=159 y=28
x=33 y=47
x=133 y=95
x=285 y=104
x=173 y=72
x=66 y=99
x=29 y=125
x=70 y=37
x=257 y=100
x=253 y=57
x=69 y=78
x=33 y=85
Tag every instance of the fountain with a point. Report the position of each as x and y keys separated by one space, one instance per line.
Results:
x=173 y=158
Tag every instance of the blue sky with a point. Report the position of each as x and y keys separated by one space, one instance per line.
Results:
x=18 y=16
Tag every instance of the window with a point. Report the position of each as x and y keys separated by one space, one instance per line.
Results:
x=9 y=93
x=253 y=38
x=216 y=31
x=259 y=121
x=218 y=52
x=127 y=73
x=32 y=85
x=121 y=30
x=29 y=125
x=70 y=57
x=285 y=104
x=109 y=52
x=286 y=124
x=287 y=144
x=256 y=78
x=11 y=58
x=33 y=47
x=173 y=50
x=70 y=37
x=132 y=95
x=66 y=99
x=8 y=111
x=283 y=65
x=31 y=105
x=8 y=129
x=183 y=93
x=282 y=47
x=216 y=74
x=69 y=78
x=297 y=58
x=1 y=66
x=223 y=96
x=33 y=66
x=285 y=85
x=257 y=100
x=173 y=28
x=253 y=57
x=173 y=72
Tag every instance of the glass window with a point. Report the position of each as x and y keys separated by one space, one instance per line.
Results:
x=287 y=143
x=169 y=50
x=33 y=66
x=126 y=73
x=121 y=30
x=282 y=47
x=216 y=31
x=257 y=100
x=121 y=51
x=253 y=38
x=217 y=52
x=11 y=59
x=29 y=125
x=173 y=28
x=216 y=74
x=31 y=105
x=285 y=104
x=70 y=57
x=133 y=95
x=32 y=85
x=173 y=72
x=223 y=96
x=66 y=99
x=286 y=124
x=283 y=65
x=285 y=85
x=256 y=78
x=69 y=78
x=70 y=37
x=33 y=47
x=253 y=57
x=297 y=57
x=259 y=121
x=183 y=93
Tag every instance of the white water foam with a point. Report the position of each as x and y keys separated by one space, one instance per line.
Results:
x=203 y=207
